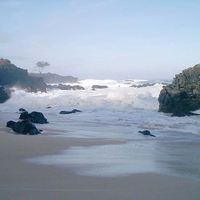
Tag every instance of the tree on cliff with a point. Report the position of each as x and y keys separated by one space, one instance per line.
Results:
x=41 y=65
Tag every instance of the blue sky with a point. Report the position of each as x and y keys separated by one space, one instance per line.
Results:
x=114 y=39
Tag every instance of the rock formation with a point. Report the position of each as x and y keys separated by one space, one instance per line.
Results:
x=23 y=127
x=146 y=132
x=63 y=112
x=183 y=95
x=4 y=94
x=99 y=87
x=70 y=87
x=143 y=85
x=55 y=78
x=35 y=117
x=10 y=76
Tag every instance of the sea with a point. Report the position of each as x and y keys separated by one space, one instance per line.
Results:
x=117 y=112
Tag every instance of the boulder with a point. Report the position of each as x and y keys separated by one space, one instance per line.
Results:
x=146 y=132
x=21 y=110
x=143 y=85
x=69 y=87
x=183 y=95
x=99 y=87
x=69 y=112
x=35 y=117
x=23 y=127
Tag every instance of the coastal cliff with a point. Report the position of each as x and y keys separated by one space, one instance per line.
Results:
x=55 y=78
x=11 y=75
x=183 y=95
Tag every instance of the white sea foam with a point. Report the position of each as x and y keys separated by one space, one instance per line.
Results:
x=117 y=94
x=130 y=108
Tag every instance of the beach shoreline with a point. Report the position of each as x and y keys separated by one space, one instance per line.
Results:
x=24 y=180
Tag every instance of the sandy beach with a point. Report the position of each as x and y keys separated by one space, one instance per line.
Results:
x=26 y=181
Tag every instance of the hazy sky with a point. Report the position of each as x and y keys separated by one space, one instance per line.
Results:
x=102 y=38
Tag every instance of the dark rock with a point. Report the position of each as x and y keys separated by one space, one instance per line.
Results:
x=69 y=112
x=33 y=84
x=77 y=87
x=35 y=117
x=23 y=127
x=183 y=95
x=22 y=110
x=143 y=85
x=24 y=115
x=99 y=87
x=146 y=132
x=69 y=87
x=5 y=94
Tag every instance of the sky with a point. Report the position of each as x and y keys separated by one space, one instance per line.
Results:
x=102 y=39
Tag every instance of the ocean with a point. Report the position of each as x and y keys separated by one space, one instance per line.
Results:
x=117 y=113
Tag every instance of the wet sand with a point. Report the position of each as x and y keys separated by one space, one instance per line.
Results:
x=23 y=180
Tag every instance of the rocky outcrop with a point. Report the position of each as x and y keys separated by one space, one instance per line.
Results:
x=55 y=78
x=35 y=117
x=23 y=127
x=32 y=84
x=183 y=95
x=70 y=87
x=4 y=94
x=146 y=132
x=66 y=87
x=143 y=85
x=10 y=76
x=63 y=112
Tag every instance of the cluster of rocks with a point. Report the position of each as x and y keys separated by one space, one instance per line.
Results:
x=143 y=85
x=26 y=124
x=75 y=87
x=27 y=121
x=11 y=76
x=66 y=87
x=182 y=96
x=35 y=117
